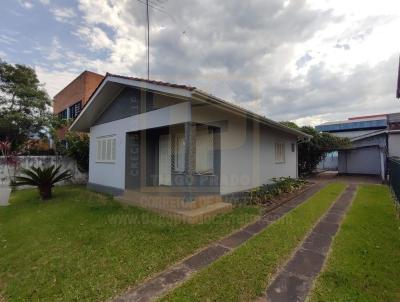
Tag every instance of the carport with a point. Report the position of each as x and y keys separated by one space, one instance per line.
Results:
x=368 y=160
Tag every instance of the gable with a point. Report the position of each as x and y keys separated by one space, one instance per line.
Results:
x=126 y=104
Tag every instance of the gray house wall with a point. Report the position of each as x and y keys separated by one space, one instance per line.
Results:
x=366 y=160
x=244 y=150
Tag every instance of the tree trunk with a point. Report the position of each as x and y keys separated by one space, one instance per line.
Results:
x=45 y=192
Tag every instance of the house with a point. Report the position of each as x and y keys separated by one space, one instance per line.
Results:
x=177 y=148
x=373 y=139
x=68 y=103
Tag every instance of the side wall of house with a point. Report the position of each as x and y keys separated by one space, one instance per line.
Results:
x=394 y=144
x=248 y=150
x=110 y=177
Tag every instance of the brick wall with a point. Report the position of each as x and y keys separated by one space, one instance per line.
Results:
x=79 y=89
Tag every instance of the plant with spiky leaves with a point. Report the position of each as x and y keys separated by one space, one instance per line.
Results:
x=44 y=179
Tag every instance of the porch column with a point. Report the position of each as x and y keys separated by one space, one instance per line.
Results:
x=190 y=159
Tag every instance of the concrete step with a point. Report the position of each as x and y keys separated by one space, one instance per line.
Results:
x=195 y=215
x=156 y=200
x=199 y=215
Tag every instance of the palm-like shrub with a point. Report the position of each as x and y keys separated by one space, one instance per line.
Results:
x=44 y=179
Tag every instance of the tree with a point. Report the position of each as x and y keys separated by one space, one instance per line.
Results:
x=74 y=145
x=311 y=152
x=24 y=103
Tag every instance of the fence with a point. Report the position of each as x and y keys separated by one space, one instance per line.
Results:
x=41 y=161
x=394 y=177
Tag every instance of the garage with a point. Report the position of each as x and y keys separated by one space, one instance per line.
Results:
x=364 y=160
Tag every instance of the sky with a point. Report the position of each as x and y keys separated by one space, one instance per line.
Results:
x=306 y=61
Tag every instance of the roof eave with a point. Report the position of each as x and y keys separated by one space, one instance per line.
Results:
x=262 y=119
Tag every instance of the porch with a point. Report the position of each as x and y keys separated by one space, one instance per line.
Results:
x=175 y=170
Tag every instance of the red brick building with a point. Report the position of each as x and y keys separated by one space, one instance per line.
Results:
x=69 y=102
x=71 y=99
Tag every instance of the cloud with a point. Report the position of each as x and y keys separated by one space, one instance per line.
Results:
x=95 y=37
x=308 y=61
x=54 y=80
x=63 y=14
x=25 y=4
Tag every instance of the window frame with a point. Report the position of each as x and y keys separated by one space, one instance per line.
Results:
x=75 y=109
x=176 y=137
x=210 y=153
x=106 y=145
x=280 y=152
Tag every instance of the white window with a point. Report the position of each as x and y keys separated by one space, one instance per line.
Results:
x=106 y=149
x=178 y=152
x=279 y=153
x=204 y=151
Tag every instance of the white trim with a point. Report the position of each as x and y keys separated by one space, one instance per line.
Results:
x=203 y=96
x=106 y=149
x=150 y=86
x=280 y=152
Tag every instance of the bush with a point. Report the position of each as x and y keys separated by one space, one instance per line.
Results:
x=44 y=179
x=265 y=193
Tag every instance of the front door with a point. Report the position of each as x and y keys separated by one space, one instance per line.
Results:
x=164 y=160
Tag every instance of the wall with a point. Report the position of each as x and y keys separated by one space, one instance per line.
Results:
x=365 y=160
x=330 y=162
x=394 y=144
x=247 y=150
x=112 y=175
x=42 y=161
x=80 y=89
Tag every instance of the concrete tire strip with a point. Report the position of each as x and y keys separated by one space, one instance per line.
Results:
x=294 y=281
x=162 y=283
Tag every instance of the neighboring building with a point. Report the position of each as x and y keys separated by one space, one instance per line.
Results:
x=152 y=138
x=373 y=139
x=69 y=102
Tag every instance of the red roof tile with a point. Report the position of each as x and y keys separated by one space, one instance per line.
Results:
x=190 y=88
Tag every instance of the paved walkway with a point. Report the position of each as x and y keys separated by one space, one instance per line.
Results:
x=177 y=274
x=295 y=280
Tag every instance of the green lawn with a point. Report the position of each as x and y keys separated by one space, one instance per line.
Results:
x=82 y=246
x=244 y=274
x=364 y=264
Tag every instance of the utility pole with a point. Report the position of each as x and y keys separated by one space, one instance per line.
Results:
x=148 y=39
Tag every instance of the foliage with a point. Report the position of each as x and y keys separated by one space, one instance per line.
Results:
x=83 y=246
x=265 y=193
x=24 y=103
x=78 y=149
x=243 y=274
x=44 y=179
x=74 y=145
x=36 y=147
x=311 y=152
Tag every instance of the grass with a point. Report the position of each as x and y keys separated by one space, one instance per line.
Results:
x=244 y=274
x=82 y=246
x=364 y=263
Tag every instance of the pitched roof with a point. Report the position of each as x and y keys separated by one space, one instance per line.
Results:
x=189 y=88
x=193 y=91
